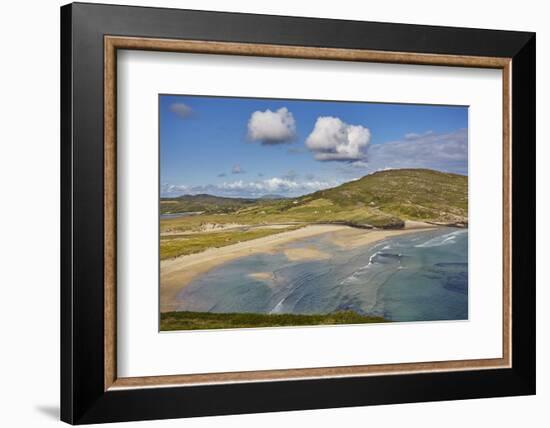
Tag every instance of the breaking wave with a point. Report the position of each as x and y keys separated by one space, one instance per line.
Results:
x=438 y=241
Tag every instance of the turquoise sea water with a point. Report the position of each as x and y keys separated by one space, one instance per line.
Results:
x=417 y=277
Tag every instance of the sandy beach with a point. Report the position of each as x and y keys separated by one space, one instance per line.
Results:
x=351 y=238
x=176 y=273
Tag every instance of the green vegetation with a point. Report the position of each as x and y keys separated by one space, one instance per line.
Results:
x=203 y=203
x=384 y=199
x=387 y=198
x=170 y=321
x=179 y=245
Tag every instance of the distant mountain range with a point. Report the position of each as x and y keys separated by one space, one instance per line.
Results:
x=209 y=203
x=381 y=199
x=273 y=197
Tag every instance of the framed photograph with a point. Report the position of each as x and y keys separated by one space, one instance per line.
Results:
x=266 y=213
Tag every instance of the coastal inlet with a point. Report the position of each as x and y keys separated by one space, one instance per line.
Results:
x=418 y=276
x=390 y=246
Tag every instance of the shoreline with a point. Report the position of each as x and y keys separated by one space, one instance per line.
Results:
x=177 y=273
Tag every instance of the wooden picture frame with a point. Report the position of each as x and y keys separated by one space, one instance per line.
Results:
x=91 y=390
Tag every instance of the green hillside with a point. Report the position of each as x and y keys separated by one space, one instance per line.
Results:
x=405 y=194
x=384 y=199
x=203 y=203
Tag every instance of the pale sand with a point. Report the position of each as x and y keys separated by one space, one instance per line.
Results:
x=351 y=239
x=264 y=276
x=176 y=273
x=411 y=224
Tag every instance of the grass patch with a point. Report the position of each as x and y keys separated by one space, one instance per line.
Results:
x=173 y=321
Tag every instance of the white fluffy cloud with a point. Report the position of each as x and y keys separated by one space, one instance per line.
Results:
x=334 y=140
x=180 y=109
x=272 y=127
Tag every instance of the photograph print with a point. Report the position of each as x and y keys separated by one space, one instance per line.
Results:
x=286 y=212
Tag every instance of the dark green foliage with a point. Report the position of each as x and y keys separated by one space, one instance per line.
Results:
x=170 y=321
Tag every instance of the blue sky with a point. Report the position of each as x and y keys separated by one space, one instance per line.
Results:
x=248 y=147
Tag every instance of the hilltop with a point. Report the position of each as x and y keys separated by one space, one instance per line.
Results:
x=382 y=199
x=203 y=203
x=405 y=194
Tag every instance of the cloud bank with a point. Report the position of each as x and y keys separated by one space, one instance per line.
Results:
x=442 y=151
x=181 y=110
x=272 y=127
x=334 y=140
x=250 y=189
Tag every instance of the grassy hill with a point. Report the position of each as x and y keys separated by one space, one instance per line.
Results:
x=203 y=203
x=384 y=199
x=389 y=197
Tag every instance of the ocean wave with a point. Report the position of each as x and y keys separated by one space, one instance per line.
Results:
x=378 y=258
x=385 y=258
x=277 y=309
x=438 y=241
